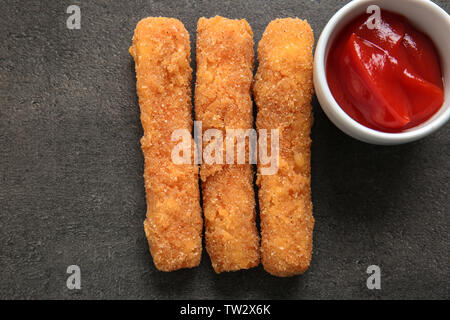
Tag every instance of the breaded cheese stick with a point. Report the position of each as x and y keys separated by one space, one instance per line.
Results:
x=161 y=50
x=283 y=90
x=225 y=59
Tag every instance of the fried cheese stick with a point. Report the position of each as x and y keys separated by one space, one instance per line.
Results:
x=225 y=59
x=283 y=91
x=161 y=50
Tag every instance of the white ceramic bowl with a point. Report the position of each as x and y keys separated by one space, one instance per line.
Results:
x=425 y=16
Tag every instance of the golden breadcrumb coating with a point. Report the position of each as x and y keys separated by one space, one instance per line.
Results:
x=283 y=90
x=225 y=59
x=161 y=50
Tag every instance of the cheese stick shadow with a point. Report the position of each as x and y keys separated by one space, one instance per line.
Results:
x=173 y=226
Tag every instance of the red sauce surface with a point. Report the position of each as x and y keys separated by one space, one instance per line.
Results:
x=387 y=78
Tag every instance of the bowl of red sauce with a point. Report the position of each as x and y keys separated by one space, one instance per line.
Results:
x=381 y=67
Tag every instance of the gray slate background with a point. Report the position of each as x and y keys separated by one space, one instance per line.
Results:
x=71 y=187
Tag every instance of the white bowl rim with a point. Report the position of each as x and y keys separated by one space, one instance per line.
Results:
x=358 y=130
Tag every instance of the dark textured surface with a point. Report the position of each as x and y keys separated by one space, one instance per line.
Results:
x=71 y=187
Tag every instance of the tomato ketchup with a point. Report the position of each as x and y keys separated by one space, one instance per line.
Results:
x=387 y=75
